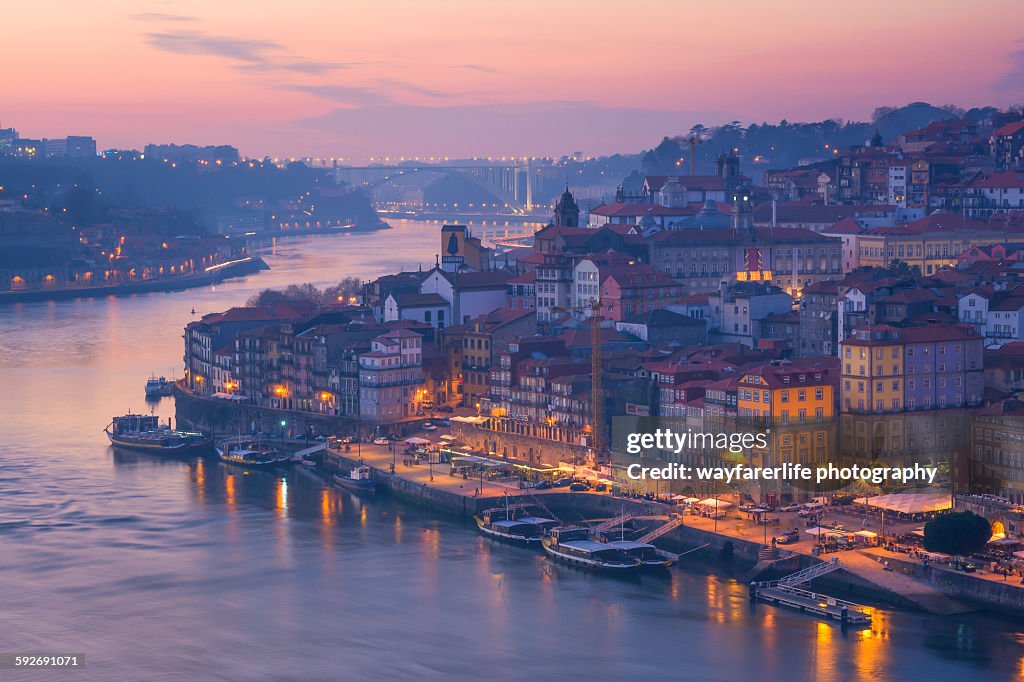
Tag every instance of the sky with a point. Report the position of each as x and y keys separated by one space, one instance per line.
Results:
x=370 y=78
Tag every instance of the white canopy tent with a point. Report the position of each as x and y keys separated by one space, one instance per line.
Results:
x=823 y=531
x=717 y=504
x=909 y=503
x=416 y=440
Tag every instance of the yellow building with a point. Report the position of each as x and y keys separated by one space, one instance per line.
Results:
x=930 y=243
x=788 y=392
x=871 y=372
x=794 y=404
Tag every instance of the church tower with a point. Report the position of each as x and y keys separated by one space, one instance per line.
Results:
x=742 y=210
x=728 y=167
x=567 y=212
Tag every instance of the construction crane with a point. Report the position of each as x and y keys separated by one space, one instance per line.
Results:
x=596 y=371
x=694 y=139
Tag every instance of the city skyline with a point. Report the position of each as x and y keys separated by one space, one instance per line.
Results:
x=331 y=82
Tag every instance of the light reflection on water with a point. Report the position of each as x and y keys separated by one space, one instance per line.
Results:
x=167 y=570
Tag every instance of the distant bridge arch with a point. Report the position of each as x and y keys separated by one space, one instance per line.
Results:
x=501 y=181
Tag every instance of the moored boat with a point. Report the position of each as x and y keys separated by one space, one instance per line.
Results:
x=574 y=546
x=249 y=452
x=529 y=530
x=649 y=555
x=157 y=387
x=358 y=480
x=146 y=433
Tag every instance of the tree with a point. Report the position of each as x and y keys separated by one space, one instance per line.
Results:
x=346 y=288
x=957 y=533
x=901 y=268
x=881 y=112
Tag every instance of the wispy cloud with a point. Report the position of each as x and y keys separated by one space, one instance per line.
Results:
x=162 y=17
x=385 y=91
x=1013 y=79
x=476 y=67
x=253 y=55
x=350 y=95
x=415 y=89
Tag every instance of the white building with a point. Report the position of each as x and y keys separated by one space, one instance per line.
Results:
x=468 y=294
x=431 y=309
x=391 y=383
x=898 y=184
x=997 y=315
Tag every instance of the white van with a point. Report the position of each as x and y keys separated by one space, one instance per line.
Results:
x=811 y=508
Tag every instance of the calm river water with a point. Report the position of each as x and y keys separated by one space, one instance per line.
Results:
x=187 y=570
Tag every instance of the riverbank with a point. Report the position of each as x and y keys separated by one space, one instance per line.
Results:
x=871 y=575
x=212 y=275
x=347 y=228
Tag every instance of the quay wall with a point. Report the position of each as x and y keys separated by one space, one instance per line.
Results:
x=222 y=416
x=191 y=281
x=517 y=446
x=226 y=417
x=412 y=492
x=1004 y=596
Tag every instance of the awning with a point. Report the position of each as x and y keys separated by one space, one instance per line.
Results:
x=678 y=498
x=717 y=504
x=909 y=503
x=469 y=420
x=690 y=500
x=447 y=437
x=828 y=532
x=866 y=534
x=416 y=440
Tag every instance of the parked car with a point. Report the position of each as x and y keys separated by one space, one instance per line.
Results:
x=843 y=499
x=544 y=485
x=381 y=441
x=791 y=507
x=600 y=487
x=562 y=482
x=448 y=409
x=427 y=426
x=579 y=487
x=788 y=537
x=747 y=506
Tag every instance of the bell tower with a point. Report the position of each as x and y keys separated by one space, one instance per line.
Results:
x=742 y=210
x=567 y=212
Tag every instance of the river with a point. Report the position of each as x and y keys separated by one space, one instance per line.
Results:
x=166 y=570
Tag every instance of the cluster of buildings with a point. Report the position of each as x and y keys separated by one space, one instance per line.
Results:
x=73 y=146
x=41 y=252
x=845 y=323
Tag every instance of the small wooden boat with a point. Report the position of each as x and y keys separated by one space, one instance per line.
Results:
x=249 y=452
x=145 y=433
x=156 y=388
x=359 y=480
x=649 y=555
x=527 y=530
x=574 y=546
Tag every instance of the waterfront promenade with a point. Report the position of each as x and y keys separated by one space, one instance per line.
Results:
x=891 y=573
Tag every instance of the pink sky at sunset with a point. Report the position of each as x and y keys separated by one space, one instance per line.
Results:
x=361 y=78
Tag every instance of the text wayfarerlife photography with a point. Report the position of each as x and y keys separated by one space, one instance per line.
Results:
x=514 y=340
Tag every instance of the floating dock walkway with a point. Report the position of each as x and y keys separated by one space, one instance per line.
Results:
x=784 y=592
